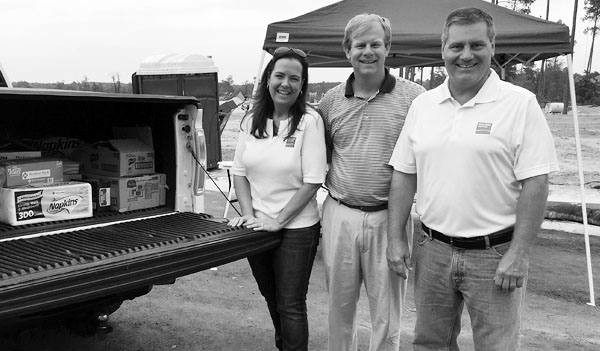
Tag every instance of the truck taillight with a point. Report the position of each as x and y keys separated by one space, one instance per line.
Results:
x=200 y=151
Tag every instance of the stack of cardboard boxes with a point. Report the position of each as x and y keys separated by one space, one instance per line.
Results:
x=118 y=175
x=32 y=190
x=127 y=167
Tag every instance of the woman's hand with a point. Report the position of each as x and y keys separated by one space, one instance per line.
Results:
x=239 y=221
x=266 y=224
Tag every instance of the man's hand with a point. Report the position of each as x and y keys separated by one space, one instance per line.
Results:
x=400 y=201
x=398 y=258
x=512 y=271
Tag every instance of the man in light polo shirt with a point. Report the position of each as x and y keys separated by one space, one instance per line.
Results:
x=363 y=118
x=477 y=151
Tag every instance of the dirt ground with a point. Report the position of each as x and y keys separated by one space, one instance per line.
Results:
x=562 y=127
x=221 y=309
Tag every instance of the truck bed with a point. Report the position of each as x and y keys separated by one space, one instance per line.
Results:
x=62 y=270
x=50 y=276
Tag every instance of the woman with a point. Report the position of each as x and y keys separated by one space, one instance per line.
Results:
x=279 y=165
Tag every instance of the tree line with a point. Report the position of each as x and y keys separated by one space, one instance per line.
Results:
x=552 y=85
x=84 y=85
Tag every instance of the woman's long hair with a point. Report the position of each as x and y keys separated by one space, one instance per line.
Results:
x=264 y=107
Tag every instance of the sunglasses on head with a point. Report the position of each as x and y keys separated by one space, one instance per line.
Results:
x=284 y=50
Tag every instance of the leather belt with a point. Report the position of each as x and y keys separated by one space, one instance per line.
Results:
x=373 y=208
x=477 y=243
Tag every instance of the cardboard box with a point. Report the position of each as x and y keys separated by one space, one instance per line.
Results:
x=100 y=194
x=72 y=177
x=118 y=158
x=19 y=155
x=142 y=133
x=55 y=145
x=46 y=203
x=34 y=171
x=136 y=193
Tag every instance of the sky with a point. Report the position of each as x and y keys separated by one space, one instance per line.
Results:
x=71 y=40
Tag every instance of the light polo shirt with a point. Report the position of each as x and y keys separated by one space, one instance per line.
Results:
x=470 y=159
x=277 y=167
x=363 y=133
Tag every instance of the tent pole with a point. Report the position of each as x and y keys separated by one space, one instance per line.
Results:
x=581 y=181
x=431 y=79
x=258 y=73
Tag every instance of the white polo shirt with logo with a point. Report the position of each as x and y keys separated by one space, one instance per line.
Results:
x=470 y=159
x=276 y=166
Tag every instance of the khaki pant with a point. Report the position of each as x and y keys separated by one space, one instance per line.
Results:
x=354 y=251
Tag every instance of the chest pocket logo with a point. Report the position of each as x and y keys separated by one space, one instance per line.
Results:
x=483 y=128
x=290 y=142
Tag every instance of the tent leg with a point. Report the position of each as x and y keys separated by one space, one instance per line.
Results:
x=431 y=79
x=581 y=181
x=258 y=73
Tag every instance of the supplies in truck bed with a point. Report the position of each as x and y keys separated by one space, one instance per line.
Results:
x=100 y=194
x=45 y=203
x=117 y=158
x=137 y=192
x=34 y=171
x=14 y=150
x=18 y=155
x=58 y=146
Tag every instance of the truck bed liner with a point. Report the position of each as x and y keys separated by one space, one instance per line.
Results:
x=45 y=273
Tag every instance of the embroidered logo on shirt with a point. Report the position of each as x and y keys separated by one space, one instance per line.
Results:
x=483 y=128
x=290 y=142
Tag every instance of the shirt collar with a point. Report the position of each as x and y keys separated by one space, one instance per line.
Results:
x=487 y=93
x=388 y=84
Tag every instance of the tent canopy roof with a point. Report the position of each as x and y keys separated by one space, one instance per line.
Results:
x=416 y=32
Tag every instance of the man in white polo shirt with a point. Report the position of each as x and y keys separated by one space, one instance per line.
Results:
x=477 y=151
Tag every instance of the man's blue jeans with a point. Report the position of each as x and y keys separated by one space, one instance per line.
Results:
x=447 y=279
x=282 y=275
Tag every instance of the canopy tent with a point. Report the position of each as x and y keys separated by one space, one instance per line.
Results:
x=416 y=42
x=416 y=32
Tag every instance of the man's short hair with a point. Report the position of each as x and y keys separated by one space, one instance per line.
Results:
x=361 y=23
x=466 y=16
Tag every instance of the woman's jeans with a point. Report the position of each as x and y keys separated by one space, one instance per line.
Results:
x=282 y=275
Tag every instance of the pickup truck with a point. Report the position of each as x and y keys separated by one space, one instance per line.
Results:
x=82 y=269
